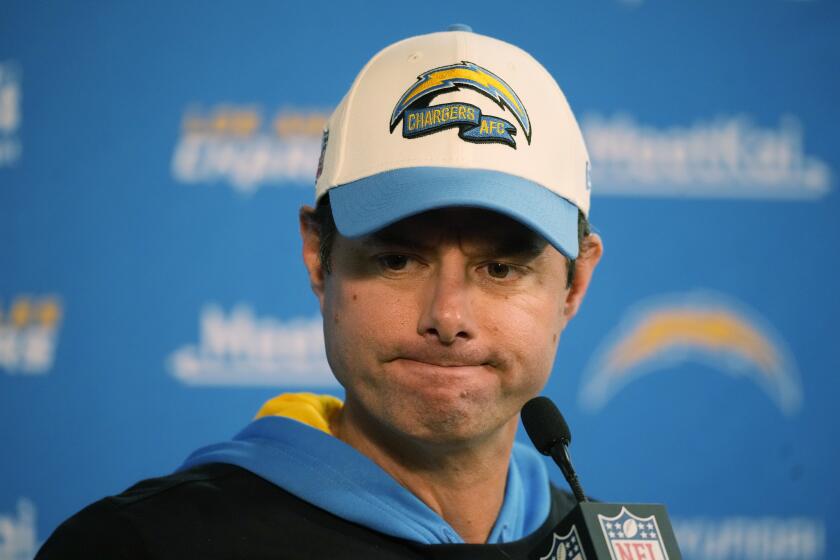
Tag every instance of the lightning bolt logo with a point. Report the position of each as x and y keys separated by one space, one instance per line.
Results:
x=467 y=74
x=703 y=327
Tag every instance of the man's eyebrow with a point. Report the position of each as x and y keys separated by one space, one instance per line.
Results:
x=392 y=238
x=527 y=247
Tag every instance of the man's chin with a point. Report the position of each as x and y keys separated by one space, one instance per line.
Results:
x=445 y=423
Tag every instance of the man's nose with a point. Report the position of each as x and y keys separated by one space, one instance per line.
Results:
x=447 y=310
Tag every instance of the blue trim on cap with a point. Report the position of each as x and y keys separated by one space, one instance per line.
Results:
x=367 y=205
x=459 y=27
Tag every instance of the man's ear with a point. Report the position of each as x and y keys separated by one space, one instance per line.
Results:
x=311 y=237
x=585 y=264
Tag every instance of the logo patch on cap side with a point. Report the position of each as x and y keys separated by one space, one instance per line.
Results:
x=419 y=118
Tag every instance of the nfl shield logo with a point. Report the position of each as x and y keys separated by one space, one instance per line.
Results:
x=630 y=537
x=566 y=547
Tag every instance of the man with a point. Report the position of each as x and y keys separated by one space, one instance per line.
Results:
x=448 y=250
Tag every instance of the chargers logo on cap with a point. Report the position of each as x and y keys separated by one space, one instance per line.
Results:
x=420 y=119
x=703 y=327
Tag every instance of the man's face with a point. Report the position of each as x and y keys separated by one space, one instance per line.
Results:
x=443 y=325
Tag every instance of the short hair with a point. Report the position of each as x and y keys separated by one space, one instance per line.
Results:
x=323 y=221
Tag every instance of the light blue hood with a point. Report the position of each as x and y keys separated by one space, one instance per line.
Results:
x=328 y=473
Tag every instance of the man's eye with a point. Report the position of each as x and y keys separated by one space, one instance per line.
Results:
x=393 y=262
x=498 y=270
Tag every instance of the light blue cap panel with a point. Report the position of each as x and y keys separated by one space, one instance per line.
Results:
x=367 y=205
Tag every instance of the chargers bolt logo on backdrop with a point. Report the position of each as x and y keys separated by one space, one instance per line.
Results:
x=701 y=327
x=420 y=119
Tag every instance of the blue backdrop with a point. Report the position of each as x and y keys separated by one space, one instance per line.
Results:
x=153 y=157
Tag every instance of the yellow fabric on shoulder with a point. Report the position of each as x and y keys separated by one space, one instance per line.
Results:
x=317 y=411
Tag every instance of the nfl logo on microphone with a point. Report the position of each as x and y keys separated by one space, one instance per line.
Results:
x=567 y=547
x=630 y=537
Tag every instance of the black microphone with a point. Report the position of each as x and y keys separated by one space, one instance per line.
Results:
x=551 y=436
x=594 y=530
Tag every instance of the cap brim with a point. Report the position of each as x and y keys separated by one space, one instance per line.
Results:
x=372 y=203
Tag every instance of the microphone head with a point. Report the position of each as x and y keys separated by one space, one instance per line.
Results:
x=545 y=425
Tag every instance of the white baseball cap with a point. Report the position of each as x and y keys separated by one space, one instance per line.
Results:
x=455 y=119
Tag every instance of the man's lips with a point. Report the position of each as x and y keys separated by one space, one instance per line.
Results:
x=443 y=363
x=446 y=367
